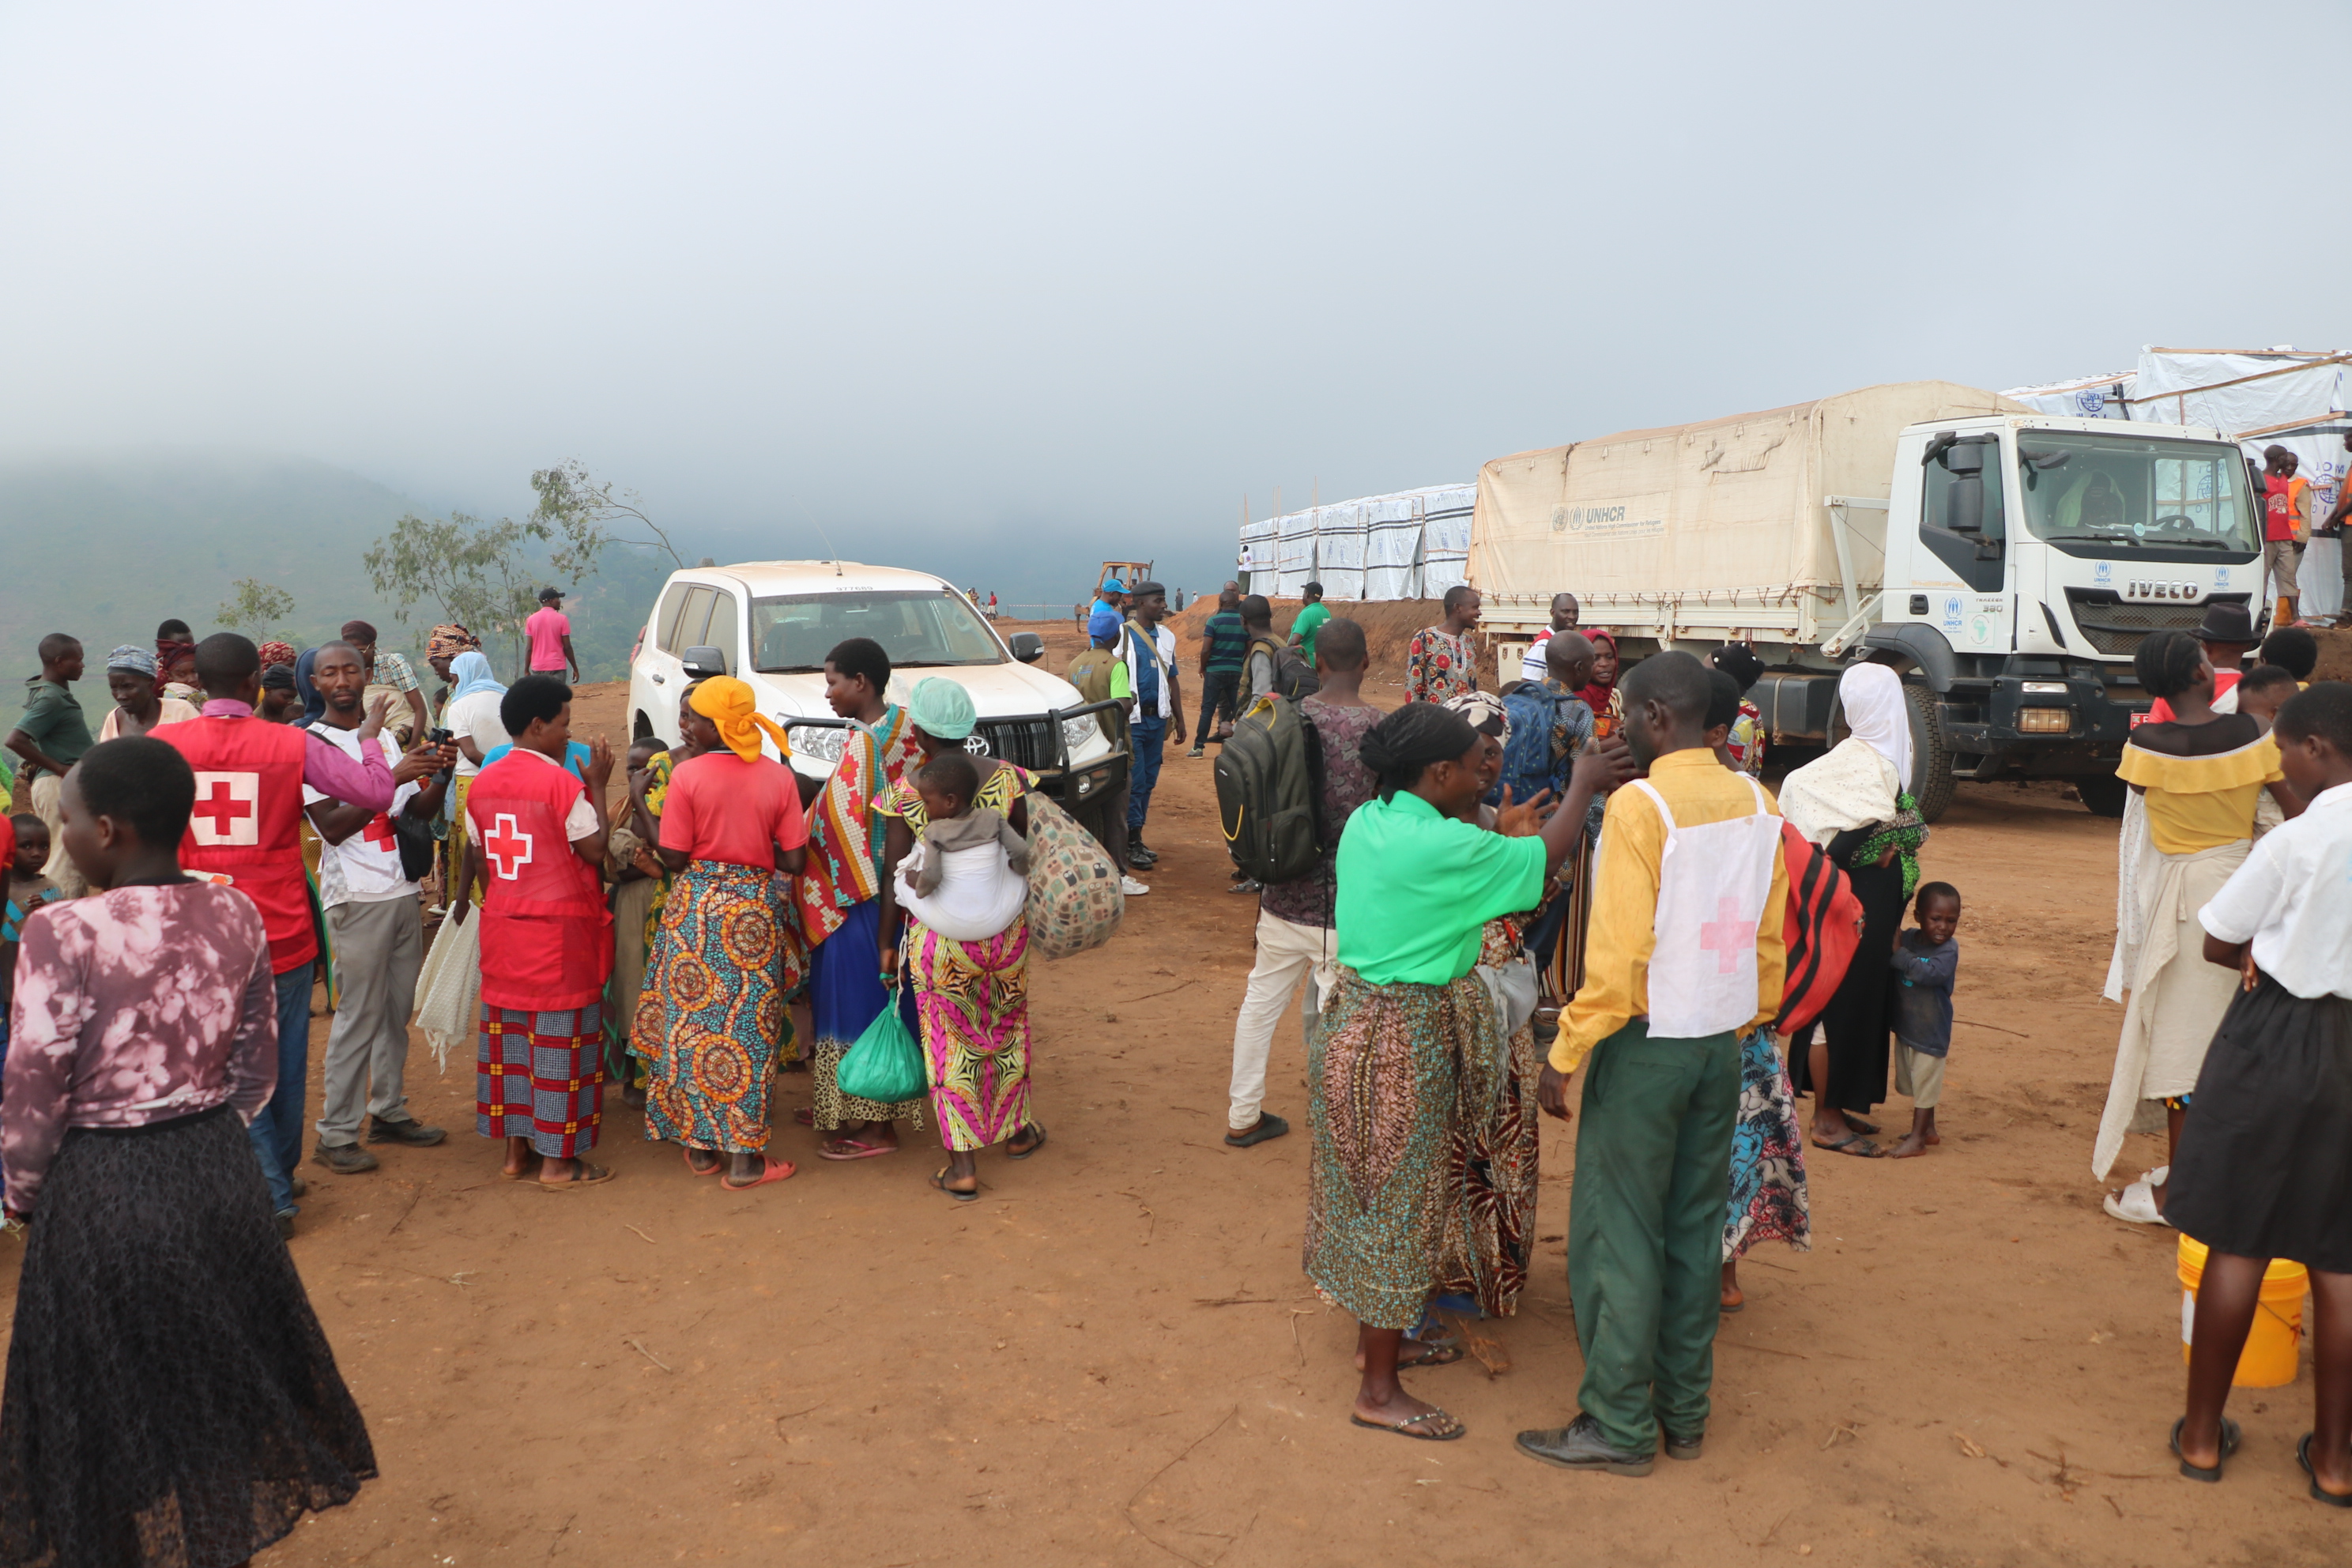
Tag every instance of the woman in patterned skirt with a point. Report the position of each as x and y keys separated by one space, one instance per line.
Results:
x=1408 y=1040
x=968 y=1001
x=839 y=898
x=712 y=1018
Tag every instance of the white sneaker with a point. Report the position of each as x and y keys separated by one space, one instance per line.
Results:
x=1131 y=888
x=2134 y=1205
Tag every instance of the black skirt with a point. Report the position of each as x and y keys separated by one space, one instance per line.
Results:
x=171 y=1398
x=2265 y=1166
x=1855 y=1020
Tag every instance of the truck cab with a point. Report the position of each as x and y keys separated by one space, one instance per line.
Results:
x=2026 y=558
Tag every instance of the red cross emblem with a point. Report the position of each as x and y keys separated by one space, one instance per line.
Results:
x=507 y=848
x=227 y=809
x=1727 y=936
x=379 y=831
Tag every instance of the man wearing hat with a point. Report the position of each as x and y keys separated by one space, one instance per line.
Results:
x=549 y=631
x=1103 y=616
x=1158 y=710
x=2227 y=631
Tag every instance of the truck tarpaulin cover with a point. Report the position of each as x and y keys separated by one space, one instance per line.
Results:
x=1727 y=510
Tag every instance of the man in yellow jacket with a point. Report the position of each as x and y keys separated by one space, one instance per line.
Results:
x=1685 y=957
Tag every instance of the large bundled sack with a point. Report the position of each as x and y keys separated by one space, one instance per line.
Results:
x=1074 y=901
x=1270 y=792
x=450 y=986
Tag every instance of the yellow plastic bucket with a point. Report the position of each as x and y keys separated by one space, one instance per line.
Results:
x=2269 y=1359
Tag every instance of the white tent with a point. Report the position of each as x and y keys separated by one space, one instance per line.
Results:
x=1392 y=546
x=2258 y=397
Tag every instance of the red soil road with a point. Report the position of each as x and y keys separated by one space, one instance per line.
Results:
x=1114 y=1358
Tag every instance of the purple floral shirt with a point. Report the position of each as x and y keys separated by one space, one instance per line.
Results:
x=134 y=1006
x=1347 y=785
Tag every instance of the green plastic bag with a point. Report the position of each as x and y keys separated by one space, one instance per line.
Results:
x=886 y=1065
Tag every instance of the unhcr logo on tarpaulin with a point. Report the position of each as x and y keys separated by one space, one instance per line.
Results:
x=1639 y=517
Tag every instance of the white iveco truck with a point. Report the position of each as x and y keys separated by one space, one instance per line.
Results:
x=2006 y=564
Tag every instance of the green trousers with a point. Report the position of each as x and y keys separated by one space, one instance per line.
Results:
x=1645 y=1229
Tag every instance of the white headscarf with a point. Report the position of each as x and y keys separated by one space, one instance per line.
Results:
x=1872 y=696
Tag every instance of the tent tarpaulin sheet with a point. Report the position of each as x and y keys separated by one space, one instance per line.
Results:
x=1369 y=547
x=1728 y=512
x=1258 y=545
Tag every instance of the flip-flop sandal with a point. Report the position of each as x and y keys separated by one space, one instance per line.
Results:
x=770 y=1171
x=1738 y=1306
x=694 y=1170
x=584 y=1174
x=1268 y=1126
x=1854 y=1143
x=805 y=1116
x=854 y=1149
x=2228 y=1446
x=1410 y=1428
x=939 y=1180
x=1868 y=1129
x=1429 y=1352
x=2303 y=1457
x=1039 y=1128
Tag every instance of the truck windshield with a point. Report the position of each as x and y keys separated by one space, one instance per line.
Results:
x=2130 y=495
x=791 y=633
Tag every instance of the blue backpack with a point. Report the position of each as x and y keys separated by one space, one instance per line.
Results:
x=1527 y=765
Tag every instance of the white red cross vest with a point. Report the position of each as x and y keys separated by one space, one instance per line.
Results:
x=547 y=937
x=1714 y=879
x=248 y=822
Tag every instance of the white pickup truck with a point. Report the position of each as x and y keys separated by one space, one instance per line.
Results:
x=772 y=623
x=2006 y=564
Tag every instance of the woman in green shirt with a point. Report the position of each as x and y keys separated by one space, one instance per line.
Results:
x=1408 y=1031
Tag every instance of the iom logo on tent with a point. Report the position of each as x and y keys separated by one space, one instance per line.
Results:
x=2091 y=400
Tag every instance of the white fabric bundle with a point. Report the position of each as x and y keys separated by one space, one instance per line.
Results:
x=979 y=894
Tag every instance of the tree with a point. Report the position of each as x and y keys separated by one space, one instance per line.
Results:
x=587 y=511
x=257 y=607
x=474 y=570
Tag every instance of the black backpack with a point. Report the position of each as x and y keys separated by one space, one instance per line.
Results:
x=1294 y=673
x=1270 y=792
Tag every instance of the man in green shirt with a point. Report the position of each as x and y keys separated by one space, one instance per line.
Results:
x=1302 y=630
x=1100 y=672
x=51 y=737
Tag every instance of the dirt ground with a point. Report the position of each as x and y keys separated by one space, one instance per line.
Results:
x=1114 y=1358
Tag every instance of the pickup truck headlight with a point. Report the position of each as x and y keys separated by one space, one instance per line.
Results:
x=1078 y=732
x=2044 y=687
x=823 y=742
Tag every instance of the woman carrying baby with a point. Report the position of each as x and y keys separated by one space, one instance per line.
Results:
x=967 y=996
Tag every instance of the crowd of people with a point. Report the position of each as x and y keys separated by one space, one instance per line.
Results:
x=1628 y=910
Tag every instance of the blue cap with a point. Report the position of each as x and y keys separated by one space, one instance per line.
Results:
x=1104 y=619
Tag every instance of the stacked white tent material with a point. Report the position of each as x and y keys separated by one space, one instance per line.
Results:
x=2258 y=398
x=1339 y=537
x=1393 y=547
x=1375 y=548
x=1445 y=539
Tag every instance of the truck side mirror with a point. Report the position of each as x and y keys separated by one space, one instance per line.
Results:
x=1028 y=646
x=1964 y=502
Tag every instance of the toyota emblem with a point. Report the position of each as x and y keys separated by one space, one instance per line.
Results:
x=975 y=745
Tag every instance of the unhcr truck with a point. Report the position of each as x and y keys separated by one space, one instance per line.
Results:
x=2006 y=564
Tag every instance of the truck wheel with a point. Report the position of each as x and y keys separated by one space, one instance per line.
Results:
x=1931 y=756
x=2104 y=792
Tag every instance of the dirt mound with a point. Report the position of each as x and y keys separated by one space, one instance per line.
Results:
x=1389 y=627
x=2335 y=655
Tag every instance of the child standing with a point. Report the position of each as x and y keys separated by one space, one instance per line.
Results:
x=2260 y=1171
x=1928 y=959
x=26 y=889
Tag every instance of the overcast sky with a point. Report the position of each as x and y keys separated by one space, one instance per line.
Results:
x=1030 y=284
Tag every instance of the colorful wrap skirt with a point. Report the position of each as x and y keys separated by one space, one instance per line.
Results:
x=711 y=1020
x=846 y=994
x=1768 y=1200
x=540 y=1076
x=971 y=1002
x=1388 y=1070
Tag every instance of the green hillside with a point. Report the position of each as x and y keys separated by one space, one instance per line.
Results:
x=106 y=547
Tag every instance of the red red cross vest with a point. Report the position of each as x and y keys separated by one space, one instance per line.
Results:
x=248 y=822
x=547 y=937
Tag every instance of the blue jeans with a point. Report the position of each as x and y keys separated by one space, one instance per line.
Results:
x=1148 y=737
x=277 y=1133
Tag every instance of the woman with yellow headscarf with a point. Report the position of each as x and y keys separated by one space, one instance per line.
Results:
x=711 y=1018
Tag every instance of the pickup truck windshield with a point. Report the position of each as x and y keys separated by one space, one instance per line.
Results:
x=2123 y=495
x=791 y=633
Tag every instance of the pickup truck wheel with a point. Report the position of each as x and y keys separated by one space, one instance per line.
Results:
x=2104 y=792
x=1931 y=755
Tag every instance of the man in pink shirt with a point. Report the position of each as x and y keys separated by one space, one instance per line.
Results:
x=549 y=631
